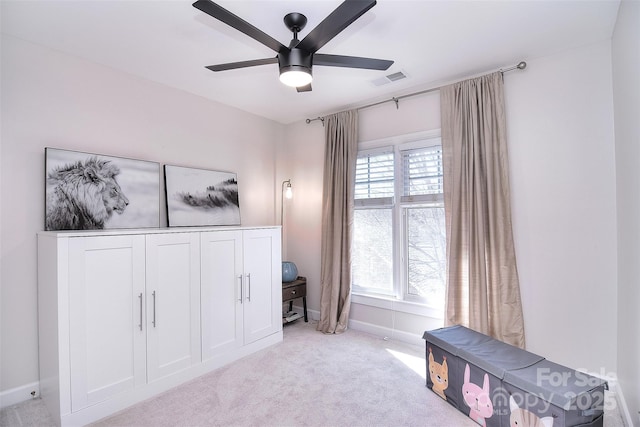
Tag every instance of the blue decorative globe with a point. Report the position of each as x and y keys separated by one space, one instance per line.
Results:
x=289 y=271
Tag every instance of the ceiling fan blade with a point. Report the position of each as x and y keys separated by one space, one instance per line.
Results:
x=242 y=64
x=351 y=62
x=343 y=16
x=306 y=88
x=222 y=14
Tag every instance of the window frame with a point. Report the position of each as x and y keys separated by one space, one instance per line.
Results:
x=398 y=205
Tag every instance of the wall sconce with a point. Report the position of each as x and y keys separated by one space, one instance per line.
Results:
x=286 y=194
x=289 y=269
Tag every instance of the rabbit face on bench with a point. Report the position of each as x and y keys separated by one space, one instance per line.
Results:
x=477 y=398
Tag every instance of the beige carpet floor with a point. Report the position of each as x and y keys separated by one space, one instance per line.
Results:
x=310 y=379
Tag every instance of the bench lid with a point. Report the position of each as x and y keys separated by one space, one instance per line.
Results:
x=489 y=354
x=564 y=387
x=453 y=338
x=497 y=357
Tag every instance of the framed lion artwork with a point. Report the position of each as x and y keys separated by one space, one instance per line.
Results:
x=87 y=191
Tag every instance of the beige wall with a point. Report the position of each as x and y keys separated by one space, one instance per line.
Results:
x=626 y=92
x=51 y=99
x=561 y=143
x=302 y=154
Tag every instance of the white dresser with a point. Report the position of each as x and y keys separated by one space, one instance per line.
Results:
x=127 y=314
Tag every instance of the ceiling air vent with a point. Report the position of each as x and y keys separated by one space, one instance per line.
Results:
x=390 y=78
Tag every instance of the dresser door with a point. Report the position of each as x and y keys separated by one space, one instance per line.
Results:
x=222 y=290
x=173 y=303
x=106 y=314
x=263 y=283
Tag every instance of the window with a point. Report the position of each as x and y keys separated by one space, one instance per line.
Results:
x=373 y=221
x=399 y=244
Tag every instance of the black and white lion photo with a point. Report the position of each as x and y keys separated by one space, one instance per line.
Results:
x=93 y=192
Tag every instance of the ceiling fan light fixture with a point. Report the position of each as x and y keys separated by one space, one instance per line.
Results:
x=295 y=76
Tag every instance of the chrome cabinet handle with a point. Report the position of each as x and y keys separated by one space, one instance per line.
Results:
x=249 y=287
x=140 y=298
x=153 y=294
x=241 y=288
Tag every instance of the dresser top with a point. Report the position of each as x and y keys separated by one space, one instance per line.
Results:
x=154 y=230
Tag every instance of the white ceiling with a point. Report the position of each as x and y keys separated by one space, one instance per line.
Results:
x=170 y=42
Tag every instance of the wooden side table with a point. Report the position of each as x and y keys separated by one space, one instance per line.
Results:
x=294 y=290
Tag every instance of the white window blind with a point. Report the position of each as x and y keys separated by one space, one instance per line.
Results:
x=422 y=174
x=374 y=179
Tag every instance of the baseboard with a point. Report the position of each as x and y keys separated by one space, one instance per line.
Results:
x=311 y=314
x=20 y=394
x=624 y=409
x=384 y=332
x=372 y=329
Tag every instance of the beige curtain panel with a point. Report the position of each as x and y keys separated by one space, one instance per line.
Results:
x=341 y=150
x=483 y=292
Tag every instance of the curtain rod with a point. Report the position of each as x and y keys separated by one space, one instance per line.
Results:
x=520 y=66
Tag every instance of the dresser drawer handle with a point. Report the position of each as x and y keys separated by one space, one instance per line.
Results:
x=293 y=292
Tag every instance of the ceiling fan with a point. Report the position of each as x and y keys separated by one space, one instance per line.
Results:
x=297 y=59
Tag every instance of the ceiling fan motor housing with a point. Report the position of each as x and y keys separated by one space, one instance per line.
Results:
x=295 y=60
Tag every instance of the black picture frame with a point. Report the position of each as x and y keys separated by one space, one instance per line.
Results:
x=86 y=191
x=201 y=197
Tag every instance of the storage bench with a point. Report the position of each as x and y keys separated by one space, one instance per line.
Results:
x=497 y=384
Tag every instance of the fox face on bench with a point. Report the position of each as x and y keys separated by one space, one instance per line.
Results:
x=439 y=373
